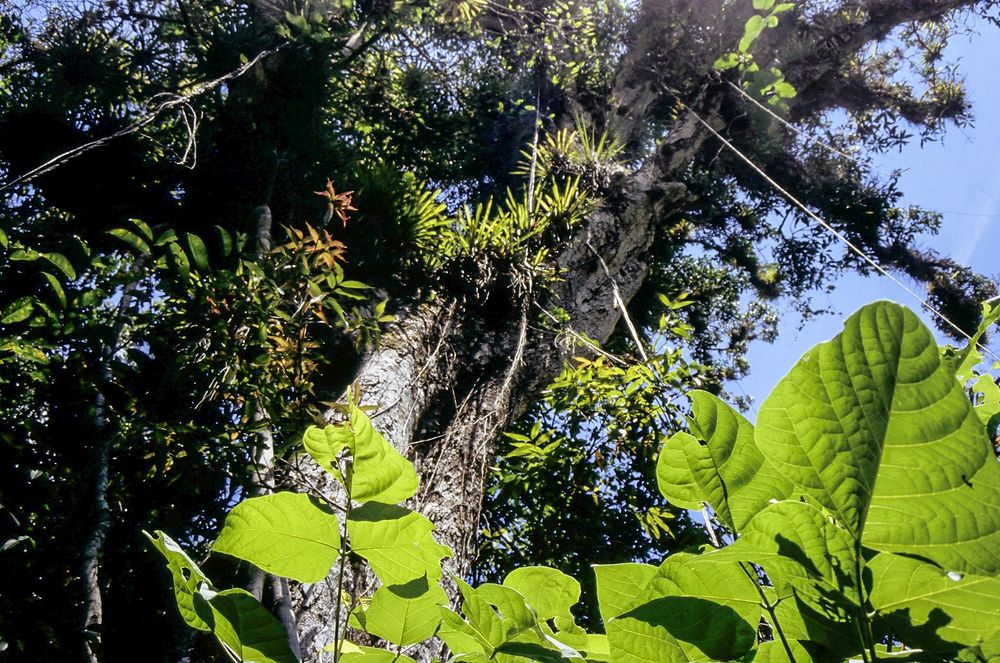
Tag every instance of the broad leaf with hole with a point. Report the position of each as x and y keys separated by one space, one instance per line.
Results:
x=287 y=534
x=718 y=464
x=186 y=575
x=396 y=542
x=874 y=426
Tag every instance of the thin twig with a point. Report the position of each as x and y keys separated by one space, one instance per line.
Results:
x=173 y=102
x=788 y=124
x=709 y=528
x=620 y=301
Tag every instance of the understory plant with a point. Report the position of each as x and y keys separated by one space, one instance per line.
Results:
x=858 y=520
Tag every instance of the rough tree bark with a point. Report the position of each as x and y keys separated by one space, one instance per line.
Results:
x=448 y=378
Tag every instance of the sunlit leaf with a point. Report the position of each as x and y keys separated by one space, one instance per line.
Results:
x=245 y=627
x=932 y=609
x=380 y=473
x=719 y=464
x=18 y=310
x=60 y=262
x=619 y=586
x=186 y=576
x=549 y=592
x=287 y=534
x=137 y=243
x=406 y=614
x=396 y=542
x=874 y=426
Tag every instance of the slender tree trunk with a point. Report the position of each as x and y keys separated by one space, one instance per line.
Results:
x=263 y=458
x=100 y=477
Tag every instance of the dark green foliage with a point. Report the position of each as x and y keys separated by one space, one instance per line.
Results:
x=150 y=338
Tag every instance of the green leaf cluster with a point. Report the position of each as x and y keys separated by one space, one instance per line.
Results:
x=867 y=494
x=862 y=516
x=301 y=537
x=770 y=84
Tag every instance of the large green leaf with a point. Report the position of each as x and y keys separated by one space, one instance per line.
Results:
x=130 y=238
x=186 y=576
x=874 y=426
x=931 y=609
x=396 y=542
x=969 y=357
x=380 y=473
x=655 y=631
x=549 y=592
x=197 y=251
x=246 y=628
x=987 y=652
x=495 y=617
x=352 y=653
x=460 y=636
x=987 y=406
x=521 y=652
x=620 y=587
x=695 y=608
x=803 y=552
x=62 y=263
x=18 y=310
x=287 y=534
x=986 y=392
x=827 y=636
x=719 y=465
x=405 y=614
x=56 y=288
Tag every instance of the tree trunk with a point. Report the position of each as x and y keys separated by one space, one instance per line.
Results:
x=451 y=373
x=100 y=476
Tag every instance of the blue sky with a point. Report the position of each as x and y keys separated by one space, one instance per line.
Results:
x=958 y=176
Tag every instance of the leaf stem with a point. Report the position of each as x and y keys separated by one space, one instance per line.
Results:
x=864 y=645
x=864 y=623
x=770 y=611
x=342 y=562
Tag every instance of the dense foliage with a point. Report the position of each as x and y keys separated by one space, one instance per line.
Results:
x=216 y=214
x=862 y=516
